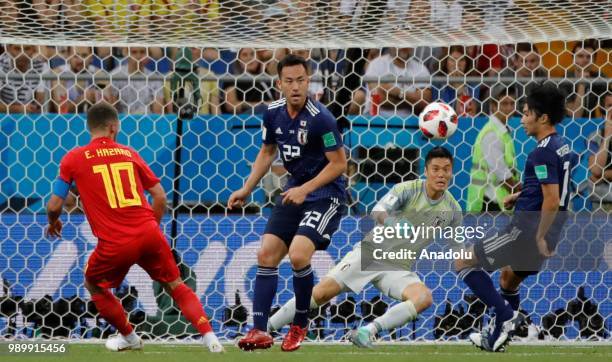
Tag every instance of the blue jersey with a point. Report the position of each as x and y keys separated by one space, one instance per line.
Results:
x=550 y=163
x=302 y=143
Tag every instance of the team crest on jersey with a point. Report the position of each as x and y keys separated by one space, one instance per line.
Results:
x=437 y=221
x=302 y=123
x=302 y=136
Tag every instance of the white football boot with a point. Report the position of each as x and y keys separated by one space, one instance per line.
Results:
x=121 y=343
x=212 y=343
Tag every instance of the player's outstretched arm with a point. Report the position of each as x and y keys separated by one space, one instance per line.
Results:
x=260 y=167
x=334 y=169
x=159 y=201
x=54 y=210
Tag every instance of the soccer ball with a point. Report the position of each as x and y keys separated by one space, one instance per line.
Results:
x=438 y=121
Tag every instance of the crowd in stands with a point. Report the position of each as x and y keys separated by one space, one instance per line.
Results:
x=384 y=82
x=391 y=81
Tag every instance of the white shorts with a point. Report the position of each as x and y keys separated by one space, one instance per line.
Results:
x=349 y=275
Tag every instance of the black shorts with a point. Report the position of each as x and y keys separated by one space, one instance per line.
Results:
x=515 y=246
x=317 y=220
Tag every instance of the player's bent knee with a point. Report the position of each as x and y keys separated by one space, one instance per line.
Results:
x=325 y=291
x=170 y=286
x=298 y=260
x=419 y=295
x=92 y=288
x=301 y=251
x=427 y=298
x=266 y=257
x=319 y=296
x=272 y=251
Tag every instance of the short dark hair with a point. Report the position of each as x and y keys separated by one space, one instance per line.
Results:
x=526 y=47
x=291 y=60
x=584 y=44
x=438 y=152
x=547 y=98
x=459 y=49
x=100 y=115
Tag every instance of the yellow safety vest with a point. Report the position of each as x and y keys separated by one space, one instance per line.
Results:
x=481 y=176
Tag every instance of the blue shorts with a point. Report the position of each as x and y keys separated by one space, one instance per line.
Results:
x=515 y=246
x=317 y=220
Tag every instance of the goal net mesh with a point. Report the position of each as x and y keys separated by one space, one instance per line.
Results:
x=307 y=23
x=57 y=58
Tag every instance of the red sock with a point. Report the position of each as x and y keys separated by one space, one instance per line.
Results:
x=111 y=310
x=190 y=306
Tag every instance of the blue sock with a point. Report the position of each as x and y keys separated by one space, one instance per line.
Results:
x=513 y=297
x=481 y=284
x=303 y=281
x=266 y=282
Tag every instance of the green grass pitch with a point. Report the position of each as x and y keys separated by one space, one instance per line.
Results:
x=328 y=353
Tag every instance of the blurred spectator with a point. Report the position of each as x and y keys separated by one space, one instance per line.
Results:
x=525 y=63
x=55 y=56
x=395 y=98
x=600 y=161
x=494 y=174
x=131 y=94
x=219 y=61
x=209 y=89
x=66 y=15
x=333 y=61
x=583 y=95
x=356 y=64
x=276 y=18
x=446 y=15
x=253 y=95
x=184 y=13
x=488 y=58
x=244 y=17
x=331 y=65
x=269 y=59
x=207 y=57
x=462 y=96
x=10 y=15
x=23 y=94
x=74 y=95
x=119 y=18
x=383 y=14
x=107 y=58
x=430 y=56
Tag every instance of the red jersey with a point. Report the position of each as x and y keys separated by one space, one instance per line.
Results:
x=111 y=179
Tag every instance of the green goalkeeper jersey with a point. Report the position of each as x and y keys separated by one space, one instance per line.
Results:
x=425 y=219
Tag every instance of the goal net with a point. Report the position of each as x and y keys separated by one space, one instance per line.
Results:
x=375 y=64
x=309 y=23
